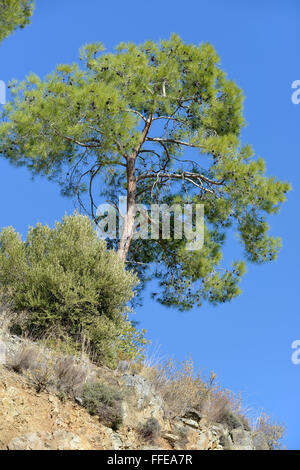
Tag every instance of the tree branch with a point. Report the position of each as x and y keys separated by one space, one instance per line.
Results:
x=172 y=141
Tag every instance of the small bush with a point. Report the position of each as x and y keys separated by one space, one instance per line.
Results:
x=33 y=363
x=41 y=376
x=68 y=283
x=178 y=386
x=130 y=367
x=150 y=431
x=69 y=375
x=104 y=401
x=182 y=390
x=26 y=358
x=245 y=422
x=272 y=431
x=224 y=408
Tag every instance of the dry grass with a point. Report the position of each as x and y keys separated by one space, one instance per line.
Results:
x=70 y=376
x=47 y=370
x=178 y=385
x=150 y=431
x=10 y=320
x=26 y=358
x=183 y=389
x=272 y=431
x=33 y=362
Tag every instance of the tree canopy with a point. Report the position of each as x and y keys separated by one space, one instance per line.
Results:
x=14 y=14
x=159 y=123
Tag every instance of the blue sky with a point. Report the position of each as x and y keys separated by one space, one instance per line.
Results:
x=247 y=342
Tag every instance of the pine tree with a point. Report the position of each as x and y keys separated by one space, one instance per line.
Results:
x=14 y=14
x=161 y=123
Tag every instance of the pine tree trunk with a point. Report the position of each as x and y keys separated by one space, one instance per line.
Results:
x=128 y=226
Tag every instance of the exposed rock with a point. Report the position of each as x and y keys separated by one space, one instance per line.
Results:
x=241 y=439
x=58 y=440
x=193 y=414
x=259 y=441
x=116 y=440
x=190 y=422
x=144 y=398
x=151 y=448
x=225 y=440
x=2 y=352
x=170 y=437
x=41 y=421
x=208 y=441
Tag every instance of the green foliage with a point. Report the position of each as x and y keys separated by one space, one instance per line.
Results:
x=104 y=401
x=14 y=14
x=80 y=124
x=67 y=282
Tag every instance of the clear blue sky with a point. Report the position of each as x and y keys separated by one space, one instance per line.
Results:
x=247 y=342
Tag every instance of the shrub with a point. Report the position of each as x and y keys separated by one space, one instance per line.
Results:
x=272 y=431
x=182 y=390
x=41 y=376
x=178 y=386
x=35 y=365
x=69 y=375
x=104 y=401
x=67 y=281
x=150 y=430
x=26 y=358
x=221 y=406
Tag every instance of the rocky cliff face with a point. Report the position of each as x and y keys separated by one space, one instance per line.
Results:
x=33 y=421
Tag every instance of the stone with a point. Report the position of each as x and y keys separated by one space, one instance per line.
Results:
x=259 y=441
x=225 y=440
x=194 y=414
x=170 y=437
x=143 y=391
x=2 y=353
x=117 y=443
x=58 y=440
x=151 y=448
x=204 y=441
x=241 y=439
x=190 y=422
x=78 y=400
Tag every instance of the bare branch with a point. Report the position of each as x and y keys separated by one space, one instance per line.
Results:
x=149 y=151
x=196 y=179
x=172 y=141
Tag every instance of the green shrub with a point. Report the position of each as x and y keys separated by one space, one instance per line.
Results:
x=70 y=284
x=104 y=401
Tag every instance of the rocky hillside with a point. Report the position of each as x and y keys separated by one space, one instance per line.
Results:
x=35 y=414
